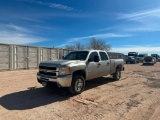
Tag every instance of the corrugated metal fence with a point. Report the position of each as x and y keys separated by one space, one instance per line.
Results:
x=25 y=57
x=14 y=57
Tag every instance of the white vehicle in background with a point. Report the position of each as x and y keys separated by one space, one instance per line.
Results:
x=149 y=60
x=155 y=55
x=158 y=60
x=155 y=60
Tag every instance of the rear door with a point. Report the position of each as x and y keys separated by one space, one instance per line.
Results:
x=104 y=64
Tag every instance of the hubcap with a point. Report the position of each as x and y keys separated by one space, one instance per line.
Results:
x=78 y=85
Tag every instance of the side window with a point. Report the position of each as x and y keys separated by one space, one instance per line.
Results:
x=103 y=56
x=91 y=57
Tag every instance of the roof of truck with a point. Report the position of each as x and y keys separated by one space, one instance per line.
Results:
x=89 y=50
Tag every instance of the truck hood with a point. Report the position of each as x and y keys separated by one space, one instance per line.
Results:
x=57 y=63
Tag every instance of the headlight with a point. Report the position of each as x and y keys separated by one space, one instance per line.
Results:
x=64 y=70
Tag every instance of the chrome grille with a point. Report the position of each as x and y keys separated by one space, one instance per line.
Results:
x=49 y=71
x=47 y=68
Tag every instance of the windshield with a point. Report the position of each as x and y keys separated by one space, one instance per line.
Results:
x=78 y=55
x=140 y=55
x=131 y=54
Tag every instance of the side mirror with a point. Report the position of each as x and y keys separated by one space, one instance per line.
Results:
x=96 y=59
x=63 y=57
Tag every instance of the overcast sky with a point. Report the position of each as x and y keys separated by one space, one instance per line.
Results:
x=127 y=25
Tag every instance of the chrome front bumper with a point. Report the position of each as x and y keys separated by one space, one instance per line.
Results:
x=62 y=81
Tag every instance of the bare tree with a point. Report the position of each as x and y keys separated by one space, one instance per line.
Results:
x=98 y=44
x=70 y=47
x=95 y=44
x=77 y=46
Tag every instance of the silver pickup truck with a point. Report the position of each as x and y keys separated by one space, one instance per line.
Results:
x=77 y=67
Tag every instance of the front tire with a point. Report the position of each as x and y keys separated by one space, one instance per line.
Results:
x=117 y=74
x=77 y=85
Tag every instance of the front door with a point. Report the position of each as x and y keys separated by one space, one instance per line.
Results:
x=93 y=68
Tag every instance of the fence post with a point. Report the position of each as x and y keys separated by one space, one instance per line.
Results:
x=58 y=53
x=11 y=59
x=39 y=55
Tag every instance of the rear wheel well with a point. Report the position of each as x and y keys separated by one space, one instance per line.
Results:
x=80 y=72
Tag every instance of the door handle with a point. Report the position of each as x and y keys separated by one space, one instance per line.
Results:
x=98 y=64
x=107 y=64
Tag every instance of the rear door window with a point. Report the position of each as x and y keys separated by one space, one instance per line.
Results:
x=103 y=56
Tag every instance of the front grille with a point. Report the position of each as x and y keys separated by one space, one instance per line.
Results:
x=47 y=68
x=148 y=59
x=47 y=73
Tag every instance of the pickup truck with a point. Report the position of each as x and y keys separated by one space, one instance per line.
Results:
x=78 y=66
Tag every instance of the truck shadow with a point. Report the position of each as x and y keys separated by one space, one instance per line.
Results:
x=35 y=97
x=97 y=82
x=147 y=65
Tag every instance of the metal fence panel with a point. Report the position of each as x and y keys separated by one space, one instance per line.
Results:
x=65 y=52
x=4 y=57
x=32 y=57
x=54 y=54
x=70 y=51
x=60 y=53
x=45 y=54
x=21 y=57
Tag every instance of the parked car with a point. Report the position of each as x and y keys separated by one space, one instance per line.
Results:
x=77 y=67
x=155 y=55
x=155 y=60
x=149 y=60
x=141 y=57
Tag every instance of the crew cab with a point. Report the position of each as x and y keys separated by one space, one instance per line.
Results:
x=77 y=67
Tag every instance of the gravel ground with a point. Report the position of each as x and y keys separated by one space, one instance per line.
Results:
x=135 y=97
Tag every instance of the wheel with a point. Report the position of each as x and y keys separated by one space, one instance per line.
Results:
x=117 y=74
x=77 y=85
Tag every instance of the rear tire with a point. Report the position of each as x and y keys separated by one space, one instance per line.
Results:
x=77 y=85
x=117 y=74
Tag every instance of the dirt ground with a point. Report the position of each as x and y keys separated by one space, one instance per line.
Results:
x=135 y=97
